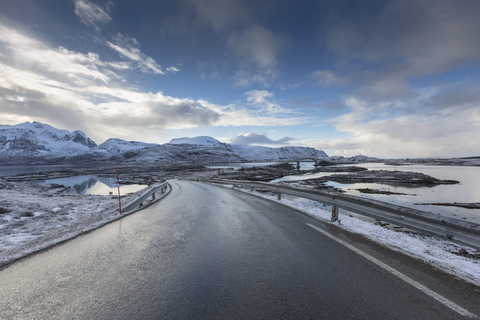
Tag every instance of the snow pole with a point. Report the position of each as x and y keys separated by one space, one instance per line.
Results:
x=118 y=184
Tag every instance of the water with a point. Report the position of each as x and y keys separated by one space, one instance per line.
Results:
x=15 y=170
x=306 y=176
x=238 y=165
x=91 y=184
x=467 y=191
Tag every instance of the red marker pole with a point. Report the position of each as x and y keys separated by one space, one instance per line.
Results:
x=119 y=202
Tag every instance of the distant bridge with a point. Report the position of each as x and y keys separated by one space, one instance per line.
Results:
x=318 y=161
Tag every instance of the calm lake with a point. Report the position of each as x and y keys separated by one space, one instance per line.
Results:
x=88 y=184
x=467 y=191
x=92 y=184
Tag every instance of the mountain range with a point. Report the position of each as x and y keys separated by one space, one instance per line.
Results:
x=38 y=143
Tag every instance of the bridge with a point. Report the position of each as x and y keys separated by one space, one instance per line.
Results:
x=318 y=161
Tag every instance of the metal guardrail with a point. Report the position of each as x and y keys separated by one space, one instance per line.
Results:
x=150 y=192
x=456 y=230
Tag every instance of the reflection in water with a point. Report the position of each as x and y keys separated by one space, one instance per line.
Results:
x=92 y=184
x=468 y=191
x=307 y=176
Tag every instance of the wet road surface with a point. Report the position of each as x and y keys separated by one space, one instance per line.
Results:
x=206 y=252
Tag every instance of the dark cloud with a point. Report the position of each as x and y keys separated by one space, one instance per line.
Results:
x=380 y=47
x=186 y=113
x=221 y=14
x=164 y=115
x=457 y=97
x=196 y=21
x=259 y=139
x=423 y=37
x=257 y=45
x=38 y=105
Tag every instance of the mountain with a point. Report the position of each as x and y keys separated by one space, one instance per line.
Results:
x=37 y=143
x=256 y=153
x=202 y=140
x=40 y=143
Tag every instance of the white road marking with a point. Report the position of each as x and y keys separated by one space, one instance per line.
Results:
x=264 y=202
x=455 y=307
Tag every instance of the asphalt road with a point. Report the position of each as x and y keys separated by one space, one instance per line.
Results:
x=205 y=252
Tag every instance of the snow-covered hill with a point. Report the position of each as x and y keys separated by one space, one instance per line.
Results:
x=256 y=153
x=39 y=143
x=202 y=140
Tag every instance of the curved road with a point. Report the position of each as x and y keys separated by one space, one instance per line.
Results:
x=205 y=252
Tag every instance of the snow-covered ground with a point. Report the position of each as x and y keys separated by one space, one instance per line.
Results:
x=33 y=217
x=440 y=254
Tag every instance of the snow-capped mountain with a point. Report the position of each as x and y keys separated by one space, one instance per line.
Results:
x=202 y=140
x=39 y=143
x=255 y=153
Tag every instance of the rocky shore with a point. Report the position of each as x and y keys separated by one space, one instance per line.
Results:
x=474 y=205
x=386 y=177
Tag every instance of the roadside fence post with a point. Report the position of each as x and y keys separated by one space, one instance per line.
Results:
x=334 y=213
x=118 y=185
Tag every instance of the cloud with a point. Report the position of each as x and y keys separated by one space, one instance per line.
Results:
x=263 y=100
x=172 y=69
x=379 y=53
x=300 y=102
x=412 y=38
x=63 y=65
x=250 y=138
x=122 y=65
x=264 y=78
x=257 y=49
x=257 y=45
x=259 y=97
x=92 y=14
x=128 y=48
x=441 y=121
x=197 y=20
x=221 y=14
x=81 y=91
x=327 y=78
x=240 y=115
x=407 y=136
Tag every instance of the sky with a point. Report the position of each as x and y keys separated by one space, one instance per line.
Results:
x=380 y=78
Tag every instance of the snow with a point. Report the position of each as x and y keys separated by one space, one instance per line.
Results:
x=438 y=253
x=41 y=143
x=201 y=140
x=116 y=146
x=260 y=153
x=33 y=217
x=40 y=139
